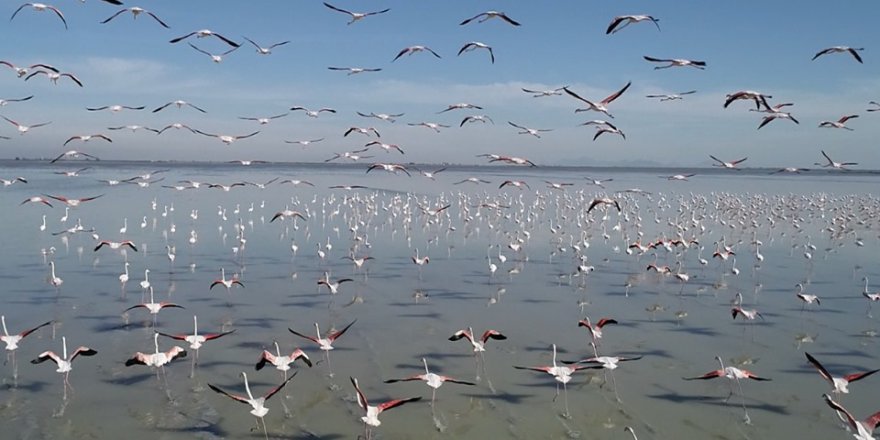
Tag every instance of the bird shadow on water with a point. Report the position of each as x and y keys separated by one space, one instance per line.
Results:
x=718 y=401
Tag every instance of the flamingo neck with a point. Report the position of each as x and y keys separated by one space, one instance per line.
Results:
x=151 y=295
x=3 y=320
x=64 y=346
x=277 y=349
x=195 y=325
x=247 y=387
x=156 y=341
x=424 y=361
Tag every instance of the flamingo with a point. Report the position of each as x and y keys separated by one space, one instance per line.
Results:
x=356 y=16
x=325 y=343
x=123 y=278
x=840 y=123
x=203 y=33
x=413 y=49
x=731 y=373
x=116 y=245
x=832 y=164
x=433 y=380
x=152 y=306
x=601 y=106
x=156 y=359
x=12 y=341
x=474 y=45
x=333 y=286
x=483 y=16
x=40 y=7
x=479 y=345
x=265 y=50
x=729 y=165
x=222 y=281
x=676 y=62
x=861 y=430
x=806 y=297
x=63 y=362
x=355 y=70
x=196 y=340
x=596 y=330
x=561 y=373
x=840 y=384
x=54 y=280
x=609 y=363
x=135 y=11
x=258 y=405
x=622 y=21
x=759 y=98
x=854 y=51
x=282 y=362
x=371 y=418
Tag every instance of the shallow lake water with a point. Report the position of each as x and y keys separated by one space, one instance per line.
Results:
x=404 y=312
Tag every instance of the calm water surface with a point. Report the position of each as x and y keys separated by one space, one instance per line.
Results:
x=535 y=297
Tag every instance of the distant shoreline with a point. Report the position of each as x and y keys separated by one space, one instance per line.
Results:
x=661 y=169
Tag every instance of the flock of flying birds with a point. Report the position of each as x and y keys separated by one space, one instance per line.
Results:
x=434 y=215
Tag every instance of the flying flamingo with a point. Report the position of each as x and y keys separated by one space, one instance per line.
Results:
x=259 y=409
x=12 y=342
x=596 y=330
x=40 y=7
x=154 y=307
x=371 y=418
x=839 y=383
x=356 y=16
x=282 y=362
x=601 y=106
x=64 y=363
x=325 y=343
x=479 y=345
x=622 y=21
x=333 y=286
x=609 y=363
x=196 y=340
x=561 y=373
x=731 y=373
x=158 y=358
x=861 y=430
x=224 y=282
x=433 y=380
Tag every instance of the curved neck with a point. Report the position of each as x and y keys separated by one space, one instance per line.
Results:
x=3 y=320
x=247 y=387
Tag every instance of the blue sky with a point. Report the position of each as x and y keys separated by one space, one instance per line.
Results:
x=764 y=46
